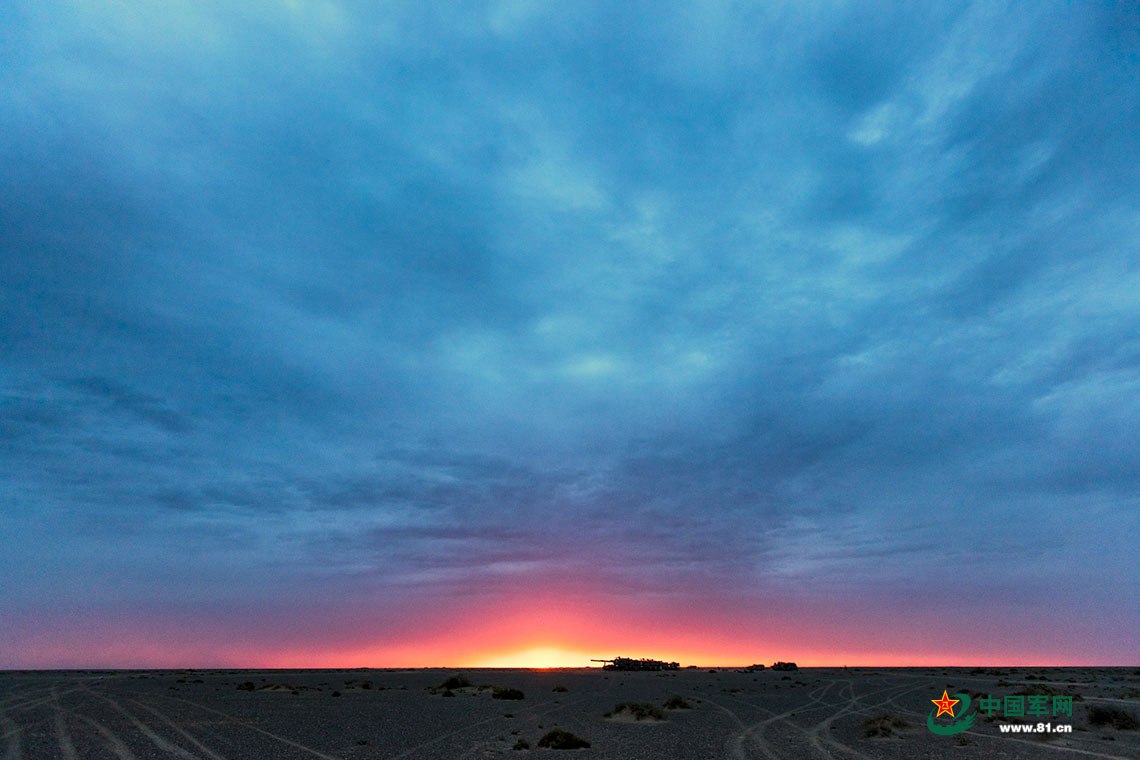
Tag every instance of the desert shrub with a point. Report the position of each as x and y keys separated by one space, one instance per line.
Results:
x=559 y=739
x=1113 y=716
x=560 y=688
x=507 y=693
x=246 y=686
x=675 y=702
x=521 y=744
x=639 y=711
x=455 y=682
x=883 y=725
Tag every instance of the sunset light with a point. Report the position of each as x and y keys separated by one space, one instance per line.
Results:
x=473 y=348
x=521 y=334
x=538 y=657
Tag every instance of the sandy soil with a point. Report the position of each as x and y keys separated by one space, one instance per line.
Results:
x=349 y=714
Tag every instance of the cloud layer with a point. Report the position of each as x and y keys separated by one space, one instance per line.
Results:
x=316 y=312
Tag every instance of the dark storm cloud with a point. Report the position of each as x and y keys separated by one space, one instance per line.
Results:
x=693 y=300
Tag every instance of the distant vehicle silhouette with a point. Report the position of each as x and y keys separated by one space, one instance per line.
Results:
x=628 y=663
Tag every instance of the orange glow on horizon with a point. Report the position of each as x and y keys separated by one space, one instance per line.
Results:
x=537 y=658
x=522 y=633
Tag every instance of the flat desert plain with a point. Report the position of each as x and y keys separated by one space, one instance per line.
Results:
x=375 y=713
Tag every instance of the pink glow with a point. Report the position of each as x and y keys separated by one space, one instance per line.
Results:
x=517 y=632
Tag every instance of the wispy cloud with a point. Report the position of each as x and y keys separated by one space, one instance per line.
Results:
x=677 y=302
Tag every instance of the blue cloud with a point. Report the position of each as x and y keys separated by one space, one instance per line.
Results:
x=631 y=297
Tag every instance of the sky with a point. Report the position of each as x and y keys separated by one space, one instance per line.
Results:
x=519 y=333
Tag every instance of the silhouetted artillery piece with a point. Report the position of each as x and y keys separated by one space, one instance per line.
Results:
x=628 y=663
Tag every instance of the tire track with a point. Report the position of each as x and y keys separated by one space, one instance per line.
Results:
x=29 y=703
x=116 y=743
x=12 y=734
x=737 y=741
x=22 y=695
x=817 y=700
x=66 y=748
x=147 y=731
x=818 y=737
x=243 y=724
x=185 y=734
x=755 y=731
x=62 y=735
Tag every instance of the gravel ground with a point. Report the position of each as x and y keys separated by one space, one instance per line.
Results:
x=349 y=714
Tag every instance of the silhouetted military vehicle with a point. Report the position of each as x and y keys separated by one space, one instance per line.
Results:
x=628 y=663
x=784 y=666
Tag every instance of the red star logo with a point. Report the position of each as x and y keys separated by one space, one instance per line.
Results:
x=945 y=705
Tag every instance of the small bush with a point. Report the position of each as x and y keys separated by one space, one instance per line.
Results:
x=507 y=693
x=521 y=744
x=455 y=682
x=1112 y=716
x=675 y=702
x=246 y=686
x=560 y=689
x=883 y=725
x=639 y=711
x=559 y=739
